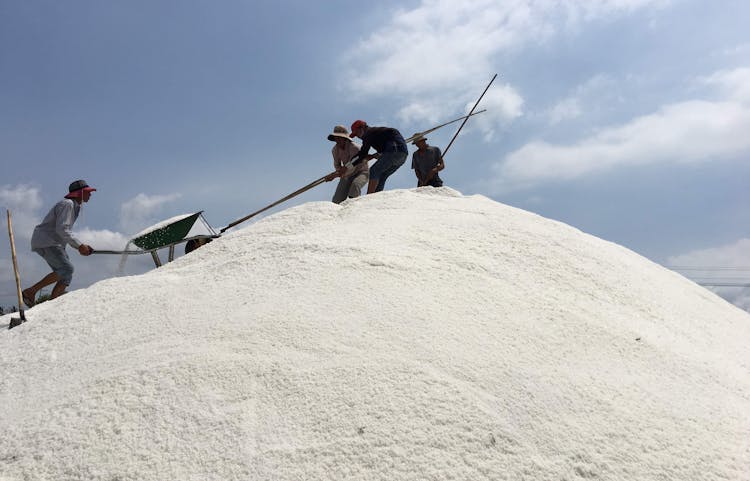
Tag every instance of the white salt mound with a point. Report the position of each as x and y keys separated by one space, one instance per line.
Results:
x=407 y=335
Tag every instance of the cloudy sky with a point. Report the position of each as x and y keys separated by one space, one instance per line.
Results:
x=627 y=119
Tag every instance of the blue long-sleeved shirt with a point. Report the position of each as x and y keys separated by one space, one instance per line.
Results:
x=382 y=139
x=56 y=228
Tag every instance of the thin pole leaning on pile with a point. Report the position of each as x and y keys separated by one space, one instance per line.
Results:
x=284 y=199
x=15 y=321
x=467 y=117
x=323 y=179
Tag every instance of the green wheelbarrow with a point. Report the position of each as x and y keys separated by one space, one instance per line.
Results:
x=192 y=229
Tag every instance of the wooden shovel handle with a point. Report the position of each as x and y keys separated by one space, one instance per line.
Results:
x=15 y=262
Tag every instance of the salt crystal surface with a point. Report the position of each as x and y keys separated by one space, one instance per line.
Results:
x=406 y=335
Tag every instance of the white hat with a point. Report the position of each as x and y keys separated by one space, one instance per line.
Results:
x=417 y=138
x=341 y=132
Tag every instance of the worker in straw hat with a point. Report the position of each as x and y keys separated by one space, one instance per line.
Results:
x=51 y=237
x=391 y=149
x=427 y=161
x=353 y=177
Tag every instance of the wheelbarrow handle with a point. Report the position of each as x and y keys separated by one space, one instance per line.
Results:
x=98 y=251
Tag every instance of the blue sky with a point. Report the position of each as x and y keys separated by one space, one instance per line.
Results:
x=627 y=119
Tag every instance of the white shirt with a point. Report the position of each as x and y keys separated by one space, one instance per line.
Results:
x=56 y=228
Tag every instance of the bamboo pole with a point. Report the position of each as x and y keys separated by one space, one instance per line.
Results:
x=14 y=321
x=467 y=117
x=319 y=181
x=422 y=134
x=293 y=194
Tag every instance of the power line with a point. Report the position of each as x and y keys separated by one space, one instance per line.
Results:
x=720 y=278
x=706 y=279
x=707 y=268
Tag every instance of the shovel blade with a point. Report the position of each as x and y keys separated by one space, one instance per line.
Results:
x=17 y=321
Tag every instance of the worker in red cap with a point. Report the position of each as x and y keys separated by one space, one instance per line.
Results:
x=52 y=235
x=391 y=149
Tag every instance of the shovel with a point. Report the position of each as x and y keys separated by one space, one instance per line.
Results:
x=15 y=321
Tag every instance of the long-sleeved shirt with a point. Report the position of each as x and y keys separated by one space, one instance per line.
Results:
x=342 y=156
x=56 y=228
x=382 y=139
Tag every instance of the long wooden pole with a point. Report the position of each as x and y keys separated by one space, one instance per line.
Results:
x=421 y=134
x=283 y=199
x=467 y=117
x=97 y=251
x=316 y=183
x=15 y=322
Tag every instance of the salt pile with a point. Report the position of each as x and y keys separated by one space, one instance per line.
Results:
x=407 y=335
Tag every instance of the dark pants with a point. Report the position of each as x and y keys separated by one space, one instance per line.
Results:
x=387 y=164
x=434 y=182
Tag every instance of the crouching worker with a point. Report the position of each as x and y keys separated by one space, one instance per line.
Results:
x=52 y=235
x=391 y=149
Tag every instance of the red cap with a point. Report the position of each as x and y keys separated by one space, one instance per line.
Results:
x=356 y=125
x=77 y=188
x=79 y=193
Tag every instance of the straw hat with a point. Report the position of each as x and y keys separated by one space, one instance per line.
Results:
x=340 y=132
x=418 y=138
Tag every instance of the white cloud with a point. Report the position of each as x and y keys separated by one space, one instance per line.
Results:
x=24 y=202
x=737 y=50
x=733 y=84
x=21 y=196
x=725 y=264
x=591 y=95
x=732 y=255
x=566 y=109
x=443 y=43
x=439 y=49
x=103 y=239
x=140 y=211
x=502 y=103
x=420 y=110
x=691 y=131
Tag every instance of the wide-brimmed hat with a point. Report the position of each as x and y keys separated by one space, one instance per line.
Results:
x=77 y=188
x=339 y=132
x=418 y=138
